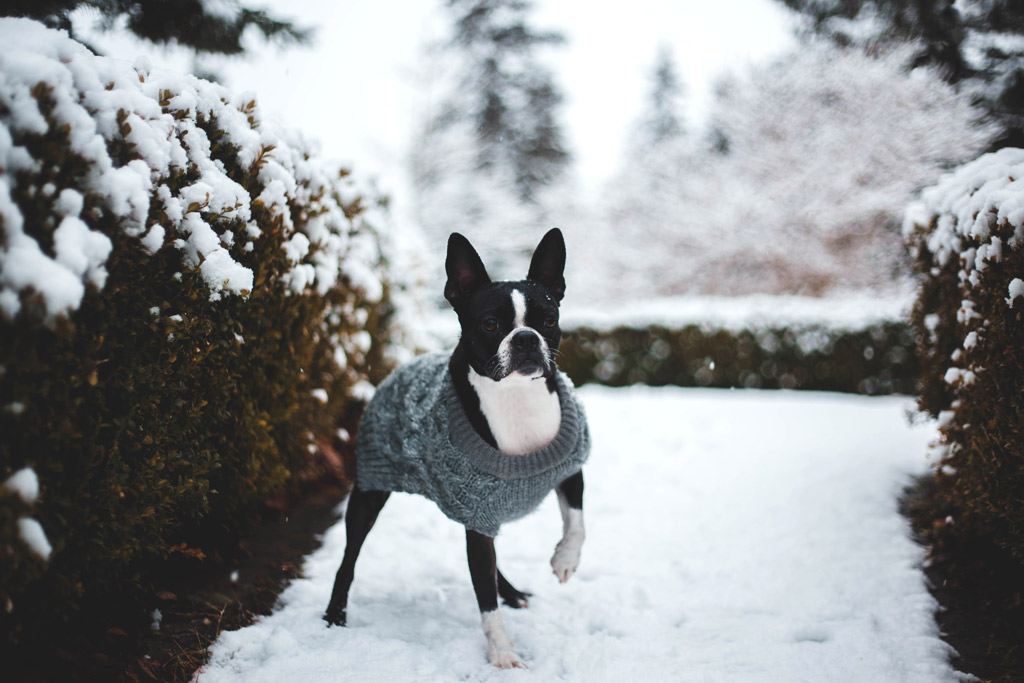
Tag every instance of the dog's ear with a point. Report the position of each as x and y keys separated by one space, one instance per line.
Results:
x=548 y=263
x=466 y=272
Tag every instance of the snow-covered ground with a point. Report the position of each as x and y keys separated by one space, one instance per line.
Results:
x=732 y=536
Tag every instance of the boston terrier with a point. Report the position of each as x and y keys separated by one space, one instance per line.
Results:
x=486 y=432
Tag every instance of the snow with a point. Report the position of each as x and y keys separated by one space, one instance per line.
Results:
x=23 y=265
x=732 y=536
x=968 y=203
x=24 y=483
x=222 y=272
x=852 y=311
x=81 y=250
x=1016 y=289
x=31 y=532
x=154 y=239
x=954 y=376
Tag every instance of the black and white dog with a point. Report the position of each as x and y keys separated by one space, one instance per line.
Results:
x=507 y=430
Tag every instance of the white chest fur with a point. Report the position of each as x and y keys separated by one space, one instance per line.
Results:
x=522 y=414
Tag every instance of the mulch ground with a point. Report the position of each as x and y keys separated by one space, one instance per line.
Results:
x=196 y=601
x=978 y=586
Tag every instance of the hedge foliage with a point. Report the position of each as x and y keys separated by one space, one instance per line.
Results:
x=193 y=378
x=878 y=359
x=967 y=236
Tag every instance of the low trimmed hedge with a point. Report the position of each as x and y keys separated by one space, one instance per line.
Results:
x=222 y=302
x=967 y=236
x=879 y=359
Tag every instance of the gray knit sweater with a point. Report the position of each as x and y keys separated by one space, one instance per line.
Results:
x=415 y=437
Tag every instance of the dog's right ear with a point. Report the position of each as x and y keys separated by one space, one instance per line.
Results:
x=466 y=272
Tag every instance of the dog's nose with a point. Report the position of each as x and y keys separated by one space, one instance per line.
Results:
x=525 y=341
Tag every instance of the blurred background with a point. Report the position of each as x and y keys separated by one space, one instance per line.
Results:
x=741 y=147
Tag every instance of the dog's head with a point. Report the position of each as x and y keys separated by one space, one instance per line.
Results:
x=508 y=328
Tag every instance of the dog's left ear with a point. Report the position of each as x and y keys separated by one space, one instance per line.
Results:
x=548 y=263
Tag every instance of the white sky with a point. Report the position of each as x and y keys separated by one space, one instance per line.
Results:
x=357 y=88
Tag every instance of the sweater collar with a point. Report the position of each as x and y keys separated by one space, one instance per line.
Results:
x=489 y=460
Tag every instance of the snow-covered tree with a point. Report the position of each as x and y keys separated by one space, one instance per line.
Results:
x=512 y=99
x=662 y=120
x=825 y=148
x=491 y=146
x=977 y=45
x=641 y=202
x=206 y=26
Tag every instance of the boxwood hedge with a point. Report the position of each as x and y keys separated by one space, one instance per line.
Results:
x=875 y=357
x=967 y=236
x=189 y=304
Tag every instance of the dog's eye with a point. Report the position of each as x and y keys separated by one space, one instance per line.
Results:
x=490 y=324
x=550 y=321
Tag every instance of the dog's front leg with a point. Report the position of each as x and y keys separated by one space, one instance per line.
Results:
x=483 y=569
x=567 y=553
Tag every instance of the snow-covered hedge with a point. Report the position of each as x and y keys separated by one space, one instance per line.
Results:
x=189 y=302
x=856 y=344
x=967 y=236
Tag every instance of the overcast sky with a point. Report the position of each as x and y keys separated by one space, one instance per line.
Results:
x=357 y=88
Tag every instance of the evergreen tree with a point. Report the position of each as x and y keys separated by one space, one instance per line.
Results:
x=662 y=121
x=659 y=155
x=490 y=159
x=977 y=45
x=206 y=26
x=513 y=101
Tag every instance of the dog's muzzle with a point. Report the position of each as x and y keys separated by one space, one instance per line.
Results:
x=527 y=353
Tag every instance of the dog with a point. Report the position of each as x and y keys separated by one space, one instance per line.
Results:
x=486 y=433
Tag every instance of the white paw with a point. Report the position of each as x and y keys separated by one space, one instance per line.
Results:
x=506 y=659
x=499 y=645
x=566 y=558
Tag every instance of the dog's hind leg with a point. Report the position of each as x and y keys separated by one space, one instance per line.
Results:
x=363 y=508
x=483 y=569
x=510 y=595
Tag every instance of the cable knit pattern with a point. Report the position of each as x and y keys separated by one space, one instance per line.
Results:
x=415 y=437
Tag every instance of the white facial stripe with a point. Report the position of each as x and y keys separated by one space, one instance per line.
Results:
x=519 y=306
x=504 y=353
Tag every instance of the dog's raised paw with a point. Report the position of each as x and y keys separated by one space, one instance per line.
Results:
x=566 y=559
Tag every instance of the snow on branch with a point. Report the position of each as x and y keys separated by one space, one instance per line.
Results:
x=966 y=206
x=94 y=150
x=968 y=226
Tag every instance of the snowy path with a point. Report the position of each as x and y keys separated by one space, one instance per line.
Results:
x=732 y=536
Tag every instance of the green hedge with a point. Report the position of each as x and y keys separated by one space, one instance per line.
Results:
x=170 y=400
x=879 y=359
x=967 y=240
